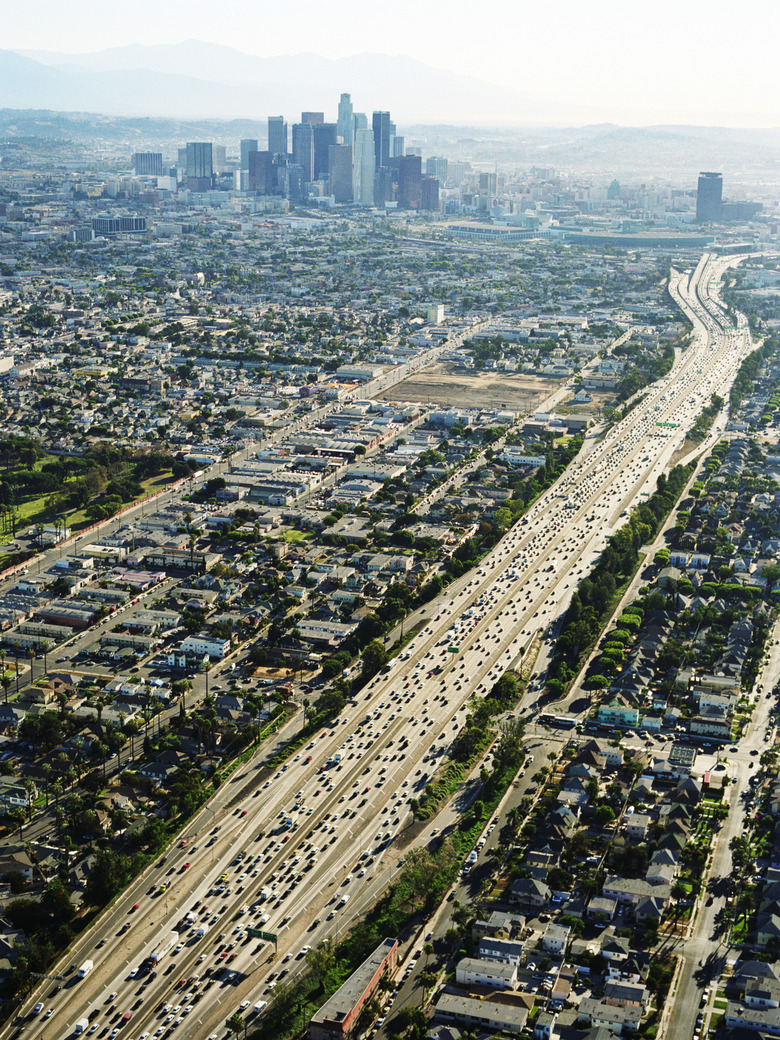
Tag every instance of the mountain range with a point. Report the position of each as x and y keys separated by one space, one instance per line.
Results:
x=200 y=80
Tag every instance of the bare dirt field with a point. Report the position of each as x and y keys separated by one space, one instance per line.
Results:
x=449 y=386
x=446 y=385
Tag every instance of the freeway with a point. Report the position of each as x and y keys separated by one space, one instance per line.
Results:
x=308 y=880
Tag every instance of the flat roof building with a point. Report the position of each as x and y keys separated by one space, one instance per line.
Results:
x=338 y=1016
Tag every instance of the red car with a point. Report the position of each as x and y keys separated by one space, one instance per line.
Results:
x=308 y=760
x=182 y=843
x=243 y=812
x=186 y=866
x=135 y=907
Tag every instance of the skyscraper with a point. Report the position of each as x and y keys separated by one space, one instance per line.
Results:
x=262 y=176
x=147 y=164
x=277 y=135
x=247 y=145
x=409 y=182
x=314 y=118
x=303 y=149
x=709 y=197
x=199 y=159
x=383 y=129
x=429 y=199
x=363 y=164
x=340 y=172
x=324 y=137
x=344 y=122
x=200 y=165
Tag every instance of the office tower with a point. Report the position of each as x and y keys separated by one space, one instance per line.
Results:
x=313 y=118
x=262 y=177
x=247 y=145
x=344 y=122
x=220 y=158
x=409 y=182
x=199 y=159
x=488 y=183
x=429 y=198
x=324 y=137
x=200 y=165
x=383 y=186
x=147 y=164
x=290 y=182
x=340 y=172
x=303 y=149
x=360 y=121
x=383 y=129
x=435 y=167
x=709 y=197
x=363 y=164
x=277 y=135
x=397 y=146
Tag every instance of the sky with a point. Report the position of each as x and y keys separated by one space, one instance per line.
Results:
x=676 y=61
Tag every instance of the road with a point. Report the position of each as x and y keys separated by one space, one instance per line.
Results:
x=349 y=814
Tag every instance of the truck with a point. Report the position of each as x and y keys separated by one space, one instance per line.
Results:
x=81 y=1025
x=85 y=969
x=203 y=930
x=165 y=945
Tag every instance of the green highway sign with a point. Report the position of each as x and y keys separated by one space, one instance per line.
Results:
x=453 y=649
x=258 y=934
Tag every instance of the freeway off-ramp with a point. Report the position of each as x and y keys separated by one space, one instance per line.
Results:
x=340 y=853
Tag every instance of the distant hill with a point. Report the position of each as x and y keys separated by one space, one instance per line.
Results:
x=200 y=80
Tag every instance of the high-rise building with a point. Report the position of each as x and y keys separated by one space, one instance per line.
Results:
x=360 y=121
x=248 y=144
x=383 y=129
x=277 y=135
x=409 y=182
x=345 y=122
x=303 y=149
x=290 y=182
x=363 y=164
x=147 y=164
x=200 y=165
x=709 y=197
x=429 y=198
x=397 y=146
x=262 y=176
x=200 y=161
x=324 y=137
x=219 y=158
x=435 y=167
x=340 y=172
x=313 y=118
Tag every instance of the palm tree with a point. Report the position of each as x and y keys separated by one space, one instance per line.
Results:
x=31 y=655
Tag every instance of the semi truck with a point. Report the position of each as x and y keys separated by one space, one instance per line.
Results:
x=165 y=945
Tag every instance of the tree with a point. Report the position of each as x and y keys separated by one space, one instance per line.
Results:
x=374 y=657
x=321 y=960
x=235 y=1023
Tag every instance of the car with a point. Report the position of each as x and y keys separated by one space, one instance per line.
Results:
x=38 y=1008
x=134 y=907
x=186 y=866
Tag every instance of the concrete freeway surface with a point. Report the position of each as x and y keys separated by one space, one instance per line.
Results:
x=346 y=816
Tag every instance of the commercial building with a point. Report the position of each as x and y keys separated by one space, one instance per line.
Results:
x=147 y=164
x=345 y=122
x=324 y=138
x=409 y=182
x=277 y=136
x=303 y=149
x=199 y=165
x=262 y=175
x=313 y=118
x=340 y=172
x=363 y=164
x=383 y=129
x=338 y=1016
x=709 y=197
x=248 y=144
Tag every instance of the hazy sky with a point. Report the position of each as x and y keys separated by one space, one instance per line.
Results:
x=667 y=61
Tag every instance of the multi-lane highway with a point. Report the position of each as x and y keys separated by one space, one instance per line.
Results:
x=316 y=838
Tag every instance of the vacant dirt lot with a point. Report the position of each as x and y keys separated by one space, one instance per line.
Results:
x=446 y=385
